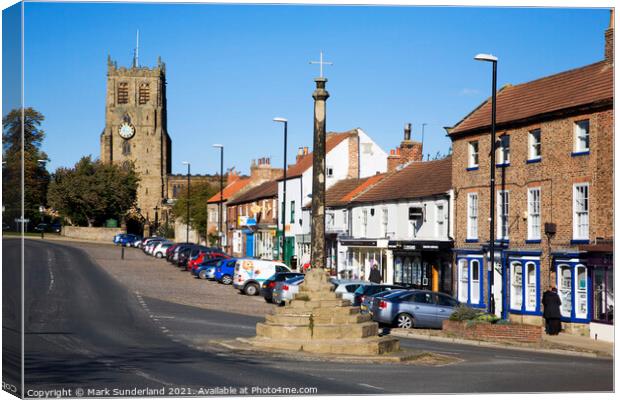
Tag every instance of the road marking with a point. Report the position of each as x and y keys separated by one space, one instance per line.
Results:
x=50 y=261
x=163 y=316
x=371 y=386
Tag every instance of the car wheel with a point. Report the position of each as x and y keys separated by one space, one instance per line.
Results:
x=404 y=321
x=251 y=289
x=268 y=300
x=159 y=255
x=226 y=279
x=202 y=274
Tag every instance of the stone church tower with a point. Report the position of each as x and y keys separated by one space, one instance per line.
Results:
x=136 y=130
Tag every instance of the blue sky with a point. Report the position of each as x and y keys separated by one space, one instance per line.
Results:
x=232 y=68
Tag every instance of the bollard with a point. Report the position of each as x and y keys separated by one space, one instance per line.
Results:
x=122 y=252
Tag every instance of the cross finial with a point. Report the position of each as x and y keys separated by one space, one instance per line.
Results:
x=321 y=63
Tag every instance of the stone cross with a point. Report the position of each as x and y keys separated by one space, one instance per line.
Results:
x=317 y=253
x=321 y=63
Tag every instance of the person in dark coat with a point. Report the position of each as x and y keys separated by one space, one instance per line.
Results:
x=375 y=275
x=551 y=303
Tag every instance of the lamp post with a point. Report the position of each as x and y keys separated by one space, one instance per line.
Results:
x=221 y=205
x=43 y=163
x=283 y=239
x=493 y=60
x=188 y=183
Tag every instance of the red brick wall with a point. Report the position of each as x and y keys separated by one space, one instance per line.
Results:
x=354 y=157
x=492 y=332
x=555 y=175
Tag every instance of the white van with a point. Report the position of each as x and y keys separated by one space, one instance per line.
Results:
x=250 y=274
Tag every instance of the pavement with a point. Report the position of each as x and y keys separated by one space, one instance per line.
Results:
x=87 y=329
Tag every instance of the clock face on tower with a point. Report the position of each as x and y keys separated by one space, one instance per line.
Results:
x=126 y=131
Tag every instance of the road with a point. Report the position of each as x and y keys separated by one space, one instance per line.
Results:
x=85 y=330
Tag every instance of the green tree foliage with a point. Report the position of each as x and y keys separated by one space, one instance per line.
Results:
x=199 y=194
x=92 y=192
x=16 y=148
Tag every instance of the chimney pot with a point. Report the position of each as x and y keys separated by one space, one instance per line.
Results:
x=408 y=131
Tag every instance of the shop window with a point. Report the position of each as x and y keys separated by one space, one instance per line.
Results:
x=463 y=292
x=581 y=295
x=565 y=285
x=475 y=282
x=416 y=271
x=531 y=293
x=407 y=271
x=398 y=270
x=603 y=295
x=516 y=285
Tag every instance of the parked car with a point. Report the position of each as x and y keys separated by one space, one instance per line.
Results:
x=56 y=227
x=251 y=273
x=266 y=289
x=206 y=255
x=202 y=270
x=284 y=291
x=369 y=290
x=225 y=271
x=128 y=239
x=347 y=287
x=413 y=308
x=42 y=227
x=160 y=249
x=367 y=300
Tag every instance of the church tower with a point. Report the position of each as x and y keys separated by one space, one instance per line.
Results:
x=136 y=129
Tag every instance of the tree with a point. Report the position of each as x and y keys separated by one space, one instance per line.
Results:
x=23 y=144
x=92 y=192
x=199 y=194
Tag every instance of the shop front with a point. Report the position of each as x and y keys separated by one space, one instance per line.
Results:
x=599 y=259
x=422 y=264
x=361 y=256
x=523 y=291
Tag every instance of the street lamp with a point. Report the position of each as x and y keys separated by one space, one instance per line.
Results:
x=285 y=121
x=492 y=59
x=221 y=205
x=188 y=183
x=41 y=207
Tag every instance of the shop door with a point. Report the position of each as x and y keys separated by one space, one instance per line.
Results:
x=289 y=249
x=249 y=245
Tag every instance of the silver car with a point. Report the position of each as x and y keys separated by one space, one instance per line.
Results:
x=285 y=291
x=413 y=309
x=347 y=287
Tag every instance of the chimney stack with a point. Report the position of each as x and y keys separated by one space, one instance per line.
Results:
x=609 y=39
x=408 y=131
x=300 y=154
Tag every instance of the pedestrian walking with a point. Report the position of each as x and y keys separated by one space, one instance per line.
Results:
x=551 y=303
x=375 y=275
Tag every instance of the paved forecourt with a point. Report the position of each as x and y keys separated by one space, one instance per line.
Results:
x=157 y=278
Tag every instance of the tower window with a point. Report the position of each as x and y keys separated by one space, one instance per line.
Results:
x=143 y=93
x=126 y=148
x=122 y=95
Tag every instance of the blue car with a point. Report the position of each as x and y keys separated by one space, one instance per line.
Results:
x=118 y=237
x=201 y=270
x=225 y=271
x=128 y=239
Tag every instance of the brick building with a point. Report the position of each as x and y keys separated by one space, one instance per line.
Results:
x=554 y=199
x=253 y=222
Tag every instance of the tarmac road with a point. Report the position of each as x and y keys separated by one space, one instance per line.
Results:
x=85 y=330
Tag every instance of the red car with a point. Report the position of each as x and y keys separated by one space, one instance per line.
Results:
x=204 y=256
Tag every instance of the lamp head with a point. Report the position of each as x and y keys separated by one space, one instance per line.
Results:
x=280 y=119
x=485 y=57
x=221 y=146
x=185 y=163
